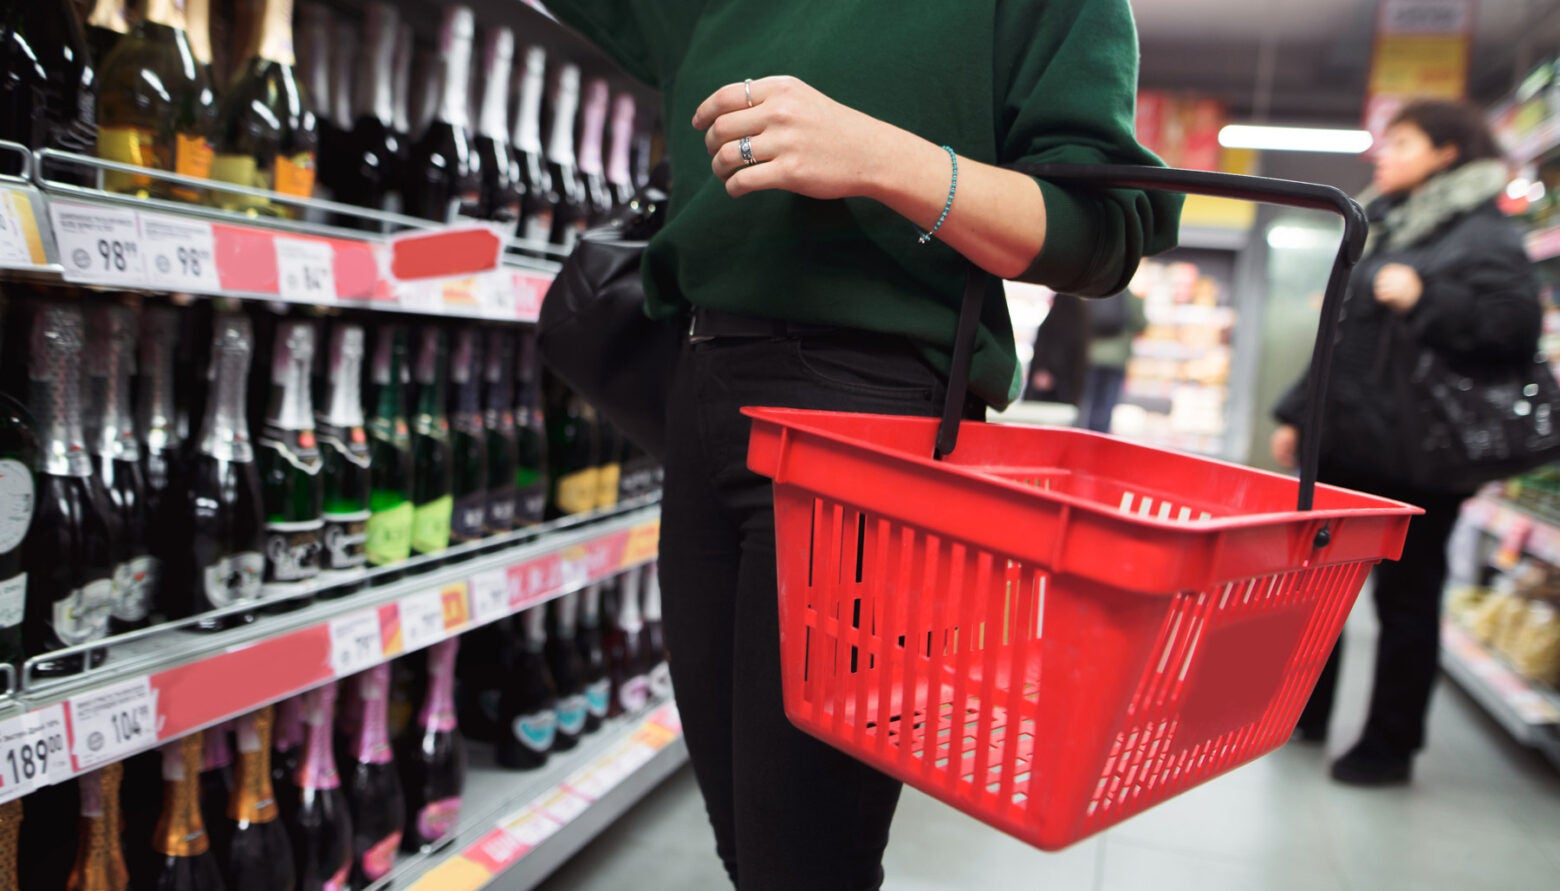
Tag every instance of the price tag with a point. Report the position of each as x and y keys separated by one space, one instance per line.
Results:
x=565 y=807
x=576 y=573
x=531 y=827
x=422 y=620
x=355 y=644
x=181 y=254
x=305 y=270
x=15 y=235
x=113 y=722
x=20 y=771
x=528 y=290
x=489 y=596
x=98 y=245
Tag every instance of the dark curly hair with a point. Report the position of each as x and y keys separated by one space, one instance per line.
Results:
x=1452 y=123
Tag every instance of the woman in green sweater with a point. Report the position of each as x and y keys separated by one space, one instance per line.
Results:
x=814 y=146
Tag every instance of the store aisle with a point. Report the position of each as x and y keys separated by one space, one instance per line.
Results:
x=1482 y=814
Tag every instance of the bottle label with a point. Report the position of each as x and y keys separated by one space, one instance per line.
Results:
x=82 y=616
x=243 y=171
x=292 y=552
x=571 y=715
x=538 y=226
x=634 y=694
x=607 y=479
x=577 y=491
x=345 y=538
x=129 y=145
x=500 y=511
x=431 y=525
x=192 y=156
x=467 y=518
x=389 y=535
x=17 y=499
x=536 y=731
x=246 y=570
x=135 y=597
x=378 y=859
x=598 y=697
x=294 y=175
x=13 y=601
x=218 y=582
x=530 y=505
x=661 y=681
x=436 y=820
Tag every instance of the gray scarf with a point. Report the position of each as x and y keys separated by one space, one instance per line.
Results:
x=1444 y=198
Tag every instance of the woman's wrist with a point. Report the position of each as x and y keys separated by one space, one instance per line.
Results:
x=912 y=177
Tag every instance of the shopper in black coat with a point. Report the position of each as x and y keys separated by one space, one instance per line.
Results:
x=1446 y=268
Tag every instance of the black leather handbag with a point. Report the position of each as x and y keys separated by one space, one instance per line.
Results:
x=593 y=332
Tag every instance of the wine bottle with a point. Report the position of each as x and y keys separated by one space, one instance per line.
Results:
x=538 y=198
x=568 y=671
x=290 y=464
x=222 y=515
x=316 y=55
x=48 y=94
x=468 y=440
x=529 y=698
x=187 y=859
x=531 y=473
x=371 y=150
x=503 y=445
x=593 y=170
x=116 y=452
x=609 y=474
x=390 y=453
x=625 y=650
x=267 y=135
x=432 y=503
x=620 y=174
x=496 y=162
x=287 y=753
x=659 y=674
x=344 y=443
x=374 y=794
x=571 y=213
x=593 y=659
x=405 y=54
x=156 y=106
x=114 y=824
x=321 y=828
x=10 y=844
x=343 y=59
x=68 y=553
x=259 y=855
x=571 y=453
x=18 y=499
x=216 y=786
x=197 y=21
x=442 y=180
x=157 y=416
x=433 y=758
x=93 y=869
x=106 y=24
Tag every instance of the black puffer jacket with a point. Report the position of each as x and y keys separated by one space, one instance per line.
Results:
x=1480 y=304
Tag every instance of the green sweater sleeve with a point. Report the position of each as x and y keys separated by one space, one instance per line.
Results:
x=1067 y=73
x=648 y=38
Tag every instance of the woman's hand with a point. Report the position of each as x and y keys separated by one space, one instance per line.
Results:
x=1286 y=446
x=1399 y=287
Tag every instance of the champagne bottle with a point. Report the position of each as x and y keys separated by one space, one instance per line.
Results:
x=609 y=474
x=157 y=416
x=10 y=844
x=106 y=25
x=93 y=869
x=374 y=794
x=625 y=650
x=344 y=443
x=503 y=445
x=290 y=465
x=114 y=824
x=529 y=699
x=538 y=198
x=592 y=658
x=68 y=553
x=344 y=52
x=267 y=134
x=287 y=753
x=572 y=453
x=468 y=440
x=405 y=53
x=571 y=213
x=188 y=863
x=531 y=473
x=156 y=106
x=593 y=170
x=432 y=502
x=321 y=829
x=496 y=162
x=568 y=671
x=371 y=150
x=620 y=175
x=18 y=499
x=116 y=453
x=48 y=94
x=433 y=758
x=390 y=450
x=216 y=786
x=659 y=673
x=260 y=856
x=316 y=54
x=442 y=179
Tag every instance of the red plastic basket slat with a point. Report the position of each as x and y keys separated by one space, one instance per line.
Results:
x=1053 y=630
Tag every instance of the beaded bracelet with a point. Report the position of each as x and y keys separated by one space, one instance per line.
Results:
x=954 y=157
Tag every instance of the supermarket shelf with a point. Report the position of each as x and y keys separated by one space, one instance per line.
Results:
x=522 y=826
x=1528 y=711
x=163 y=683
x=1520 y=531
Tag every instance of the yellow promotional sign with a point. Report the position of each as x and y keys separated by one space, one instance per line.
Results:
x=1422 y=52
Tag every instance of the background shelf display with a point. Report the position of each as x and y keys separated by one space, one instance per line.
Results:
x=1528 y=711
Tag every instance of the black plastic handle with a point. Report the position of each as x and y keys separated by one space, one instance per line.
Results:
x=1192 y=182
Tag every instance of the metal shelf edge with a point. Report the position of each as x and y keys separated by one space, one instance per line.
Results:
x=1470 y=676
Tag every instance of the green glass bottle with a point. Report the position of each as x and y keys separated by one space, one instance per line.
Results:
x=347 y=460
x=290 y=466
x=468 y=440
x=390 y=453
x=531 y=438
x=503 y=444
x=572 y=453
x=18 y=457
x=432 y=501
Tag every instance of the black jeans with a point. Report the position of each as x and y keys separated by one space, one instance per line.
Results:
x=1100 y=395
x=1408 y=597
x=788 y=811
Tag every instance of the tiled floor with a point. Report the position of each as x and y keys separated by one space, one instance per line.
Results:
x=1482 y=814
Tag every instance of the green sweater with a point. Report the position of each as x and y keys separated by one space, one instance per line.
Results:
x=1001 y=81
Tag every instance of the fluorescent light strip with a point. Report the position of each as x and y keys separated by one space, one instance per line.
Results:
x=1295 y=139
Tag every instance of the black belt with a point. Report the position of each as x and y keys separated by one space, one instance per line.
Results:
x=709 y=324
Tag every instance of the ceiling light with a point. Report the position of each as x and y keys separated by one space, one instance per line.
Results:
x=1295 y=139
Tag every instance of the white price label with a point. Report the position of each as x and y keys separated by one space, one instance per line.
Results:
x=15 y=249
x=489 y=596
x=528 y=290
x=565 y=807
x=113 y=722
x=355 y=644
x=305 y=270
x=98 y=245
x=33 y=753
x=181 y=255
x=575 y=572
x=531 y=827
x=422 y=620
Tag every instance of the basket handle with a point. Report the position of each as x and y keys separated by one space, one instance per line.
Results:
x=1190 y=182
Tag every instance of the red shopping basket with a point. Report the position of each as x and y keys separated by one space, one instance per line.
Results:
x=1054 y=630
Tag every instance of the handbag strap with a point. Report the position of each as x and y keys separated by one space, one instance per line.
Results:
x=1188 y=182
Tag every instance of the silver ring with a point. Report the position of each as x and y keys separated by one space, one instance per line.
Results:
x=746 y=145
x=747 y=87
